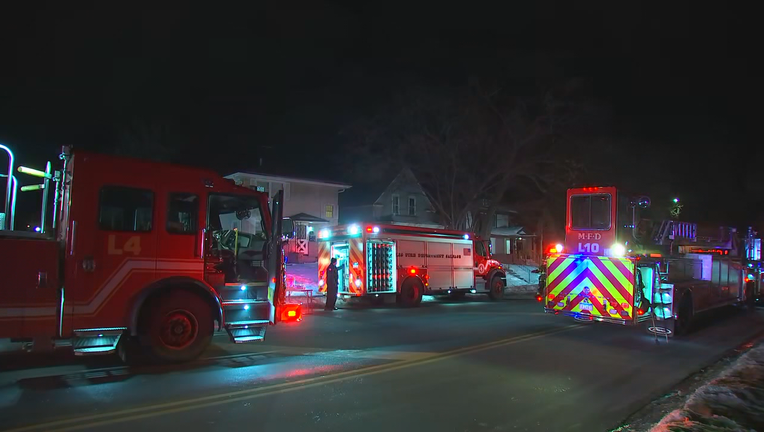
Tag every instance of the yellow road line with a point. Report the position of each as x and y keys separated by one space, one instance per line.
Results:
x=131 y=414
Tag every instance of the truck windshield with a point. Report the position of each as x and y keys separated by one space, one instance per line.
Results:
x=233 y=218
x=590 y=212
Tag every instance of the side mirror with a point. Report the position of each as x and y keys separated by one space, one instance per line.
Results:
x=535 y=271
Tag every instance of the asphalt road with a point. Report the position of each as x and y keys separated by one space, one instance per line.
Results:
x=471 y=365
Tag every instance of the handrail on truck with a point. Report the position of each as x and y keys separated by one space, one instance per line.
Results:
x=8 y=190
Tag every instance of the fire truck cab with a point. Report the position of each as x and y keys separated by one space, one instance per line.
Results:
x=142 y=257
x=406 y=262
x=619 y=266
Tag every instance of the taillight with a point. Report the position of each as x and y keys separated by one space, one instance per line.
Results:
x=291 y=313
x=640 y=312
x=539 y=298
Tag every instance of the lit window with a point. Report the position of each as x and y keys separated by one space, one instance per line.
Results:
x=329 y=211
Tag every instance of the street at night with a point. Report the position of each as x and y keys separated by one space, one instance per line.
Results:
x=467 y=365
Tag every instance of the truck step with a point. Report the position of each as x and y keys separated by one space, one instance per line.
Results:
x=247 y=331
x=236 y=311
x=96 y=341
x=244 y=291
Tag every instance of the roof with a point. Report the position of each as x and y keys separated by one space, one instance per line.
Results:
x=304 y=217
x=368 y=194
x=291 y=179
x=510 y=231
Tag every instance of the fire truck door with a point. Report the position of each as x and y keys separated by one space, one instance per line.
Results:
x=481 y=264
x=115 y=251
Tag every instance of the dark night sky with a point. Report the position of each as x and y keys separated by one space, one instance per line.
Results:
x=677 y=75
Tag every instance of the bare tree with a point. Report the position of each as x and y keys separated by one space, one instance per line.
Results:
x=468 y=147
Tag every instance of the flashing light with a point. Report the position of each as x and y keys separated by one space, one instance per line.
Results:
x=539 y=298
x=618 y=250
x=466 y=236
x=37 y=229
x=749 y=278
x=324 y=233
x=676 y=200
x=246 y=307
x=473 y=291
x=640 y=312
x=559 y=247
x=353 y=229
x=243 y=287
x=553 y=250
x=291 y=313
x=375 y=230
x=310 y=229
x=412 y=271
x=321 y=282
x=358 y=283
x=368 y=229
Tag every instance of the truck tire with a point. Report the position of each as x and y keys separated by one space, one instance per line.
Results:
x=179 y=327
x=496 y=289
x=411 y=293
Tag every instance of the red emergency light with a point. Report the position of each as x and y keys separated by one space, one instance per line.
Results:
x=412 y=271
x=291 y=313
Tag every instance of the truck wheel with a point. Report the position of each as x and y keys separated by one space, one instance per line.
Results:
x=496 y=290
x=411 y=293
x=179 y=327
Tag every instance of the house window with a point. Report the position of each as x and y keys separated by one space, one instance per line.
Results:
x=182 y=213
x=493 y=245
x=508 y=246
x=396 y=205
x=412 y=206
x=501 y=221
x=125 y=209
x=329 y=211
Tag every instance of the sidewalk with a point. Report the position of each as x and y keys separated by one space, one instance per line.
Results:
x=734 y=401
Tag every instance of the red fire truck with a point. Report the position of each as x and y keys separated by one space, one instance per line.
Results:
x=406 y=262
x=142 y=257
x=619 y=266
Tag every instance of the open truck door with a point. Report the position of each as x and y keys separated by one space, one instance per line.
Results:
x=280 y=311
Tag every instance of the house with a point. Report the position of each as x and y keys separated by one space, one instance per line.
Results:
x=401 y=201
x=311 y=204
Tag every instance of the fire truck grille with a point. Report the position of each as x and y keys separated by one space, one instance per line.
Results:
x=381 y=262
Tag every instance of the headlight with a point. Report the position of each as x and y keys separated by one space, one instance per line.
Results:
x=618 y=250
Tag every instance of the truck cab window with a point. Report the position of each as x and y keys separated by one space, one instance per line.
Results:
x=590 y=212
x=238 y=231
x=480 y=249
x=182 y=213
x=125 y=209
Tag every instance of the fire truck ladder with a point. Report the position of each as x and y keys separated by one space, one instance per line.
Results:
x=662 y=301
x=671 y=231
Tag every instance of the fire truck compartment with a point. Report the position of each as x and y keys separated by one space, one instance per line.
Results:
x=448 y=262
x=341 y=251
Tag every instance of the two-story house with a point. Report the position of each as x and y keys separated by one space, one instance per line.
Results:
x=311 y=204
x=510 y=243
x=402 y=201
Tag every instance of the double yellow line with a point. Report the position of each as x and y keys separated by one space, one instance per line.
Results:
x=132 y=414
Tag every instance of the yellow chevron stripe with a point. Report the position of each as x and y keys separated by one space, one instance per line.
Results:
x=617 y=273
x=568 y=280
x=552 y=276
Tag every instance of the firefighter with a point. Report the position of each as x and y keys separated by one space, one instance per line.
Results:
x=332 y=284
